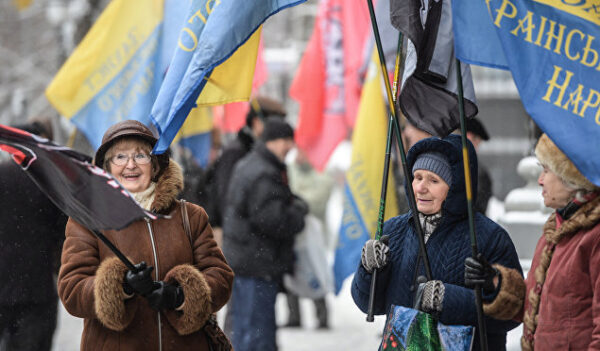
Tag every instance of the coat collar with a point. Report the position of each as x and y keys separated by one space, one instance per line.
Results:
x=168 y=187
x=586 y=217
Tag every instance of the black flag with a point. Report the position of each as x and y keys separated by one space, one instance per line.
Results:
x=83 y=191
x=428 y=97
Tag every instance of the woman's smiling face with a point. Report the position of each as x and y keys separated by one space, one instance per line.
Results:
x=430 y=191
x=130 y=163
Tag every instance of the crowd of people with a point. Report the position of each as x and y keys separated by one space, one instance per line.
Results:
x=232 y=243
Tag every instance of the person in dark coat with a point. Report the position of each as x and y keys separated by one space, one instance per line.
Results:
x=263 y=218
x=263 y=107
x=439 y=187
x=476 y=133
x=31 y=237
x=558 y=302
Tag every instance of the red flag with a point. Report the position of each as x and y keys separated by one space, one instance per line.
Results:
x=232 y=117
x=327 y=84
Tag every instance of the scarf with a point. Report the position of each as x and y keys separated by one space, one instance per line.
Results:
x=145 y=197
x=429 y=223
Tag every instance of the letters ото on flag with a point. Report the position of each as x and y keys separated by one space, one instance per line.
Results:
x=72 y=182
x=429 y=94
x=363 y=179
x=327 y=84
x=210 y=54
x=552 y=50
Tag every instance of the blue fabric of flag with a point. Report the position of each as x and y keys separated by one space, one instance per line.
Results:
x=199 y=145
x=208 y=38
x=551 y=48
x=353 y=234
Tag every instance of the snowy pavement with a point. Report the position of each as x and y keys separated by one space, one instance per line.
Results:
x=349 y=330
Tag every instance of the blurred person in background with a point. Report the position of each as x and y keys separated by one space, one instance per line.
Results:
x=412 y=135
x=263 y=217
x=222 y=171
x=315 y=188
x=476 y=133
x=559 y=301
x=181 y=277
x=31 y=236
x=263 y=107
x=199 y=182
x=440 y=194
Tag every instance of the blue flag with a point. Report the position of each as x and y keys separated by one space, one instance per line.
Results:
x=552 y=49
x=212 y=33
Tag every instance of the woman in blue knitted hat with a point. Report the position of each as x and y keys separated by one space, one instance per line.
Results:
x=439 y=188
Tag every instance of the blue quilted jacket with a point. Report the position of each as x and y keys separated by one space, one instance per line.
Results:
x=447 y=248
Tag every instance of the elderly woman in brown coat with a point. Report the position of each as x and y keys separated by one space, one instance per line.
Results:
x=180 y=280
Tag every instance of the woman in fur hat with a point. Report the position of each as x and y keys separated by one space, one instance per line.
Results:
x=561 y=308
x=439 y=188
x=180 y=280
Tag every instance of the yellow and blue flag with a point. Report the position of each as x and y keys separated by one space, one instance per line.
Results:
x=363 y=179
x=115 y=72
x=551 y=48
x=195 y=134
x=207 y=55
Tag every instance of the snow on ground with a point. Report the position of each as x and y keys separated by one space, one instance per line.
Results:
x=349 y=329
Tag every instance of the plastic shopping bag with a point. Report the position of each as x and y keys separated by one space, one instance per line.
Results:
x=313 y=276
x=410 y=329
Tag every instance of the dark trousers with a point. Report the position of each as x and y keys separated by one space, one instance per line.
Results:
x=27 y=327
x=254 y=327
x=294 y=318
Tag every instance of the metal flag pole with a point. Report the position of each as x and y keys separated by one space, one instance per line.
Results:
x=114 y=249
x=393 y=121
x=468 y=183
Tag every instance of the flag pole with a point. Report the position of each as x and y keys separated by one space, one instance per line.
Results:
x=468 y=186
x=393 y=122
x=114 y=249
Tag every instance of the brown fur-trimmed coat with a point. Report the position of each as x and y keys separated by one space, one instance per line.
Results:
x=91 y=277
x=561 y=308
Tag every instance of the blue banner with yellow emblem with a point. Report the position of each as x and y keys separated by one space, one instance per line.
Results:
x=553 y=51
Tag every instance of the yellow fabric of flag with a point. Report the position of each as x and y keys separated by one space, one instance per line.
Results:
x=22 y=4
x=199 y=121
x=368 y=152
x=231 y=81
x=363 y=179
x=103 y=54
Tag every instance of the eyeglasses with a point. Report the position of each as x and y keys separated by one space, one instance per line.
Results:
x=139 y=158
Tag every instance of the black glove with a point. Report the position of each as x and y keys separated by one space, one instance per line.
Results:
x=479 y=271
x=374 y=254
x=165 y=296
x=300 y=204
x=139 y=281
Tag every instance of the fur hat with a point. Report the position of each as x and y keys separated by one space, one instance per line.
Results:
x=276 y=128
x=552 y=157
x=434 y=162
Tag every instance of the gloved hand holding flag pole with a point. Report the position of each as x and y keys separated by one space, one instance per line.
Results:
x=393 y=126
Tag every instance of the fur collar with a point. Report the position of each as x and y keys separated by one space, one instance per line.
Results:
x=586 y=217
x=168 y=187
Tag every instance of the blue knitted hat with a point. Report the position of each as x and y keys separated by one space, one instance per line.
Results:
x=434 y=162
